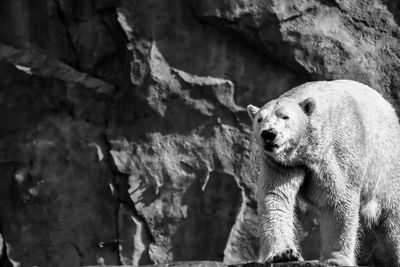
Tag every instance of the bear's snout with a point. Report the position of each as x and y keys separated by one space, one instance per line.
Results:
x=268 y=135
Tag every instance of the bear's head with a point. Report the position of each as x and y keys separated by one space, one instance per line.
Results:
x=280 y=125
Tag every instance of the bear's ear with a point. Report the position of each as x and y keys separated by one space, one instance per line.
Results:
x=252 y=110
x=308 y=106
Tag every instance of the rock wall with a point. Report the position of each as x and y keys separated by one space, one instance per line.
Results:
x=123 y=135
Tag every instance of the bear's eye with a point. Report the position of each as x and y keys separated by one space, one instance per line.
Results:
x=259 y=120
x=285 y=117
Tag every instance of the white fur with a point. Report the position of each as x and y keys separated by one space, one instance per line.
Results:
x=341 y=153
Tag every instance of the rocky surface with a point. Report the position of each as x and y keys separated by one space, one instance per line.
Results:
x=123 y=135
x=187 y=175
x=246 y=264
x=332 y=39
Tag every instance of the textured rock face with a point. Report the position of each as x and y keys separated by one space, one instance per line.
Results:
x=332 y=39
x=55 y=182
x=187 y=173
x=58 y=202
x=123 y=135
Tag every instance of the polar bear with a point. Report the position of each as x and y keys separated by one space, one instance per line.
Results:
x=336 y=145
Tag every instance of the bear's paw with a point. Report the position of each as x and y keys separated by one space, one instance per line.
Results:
x=285 y=256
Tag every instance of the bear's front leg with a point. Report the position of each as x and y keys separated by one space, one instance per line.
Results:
x=277 y=190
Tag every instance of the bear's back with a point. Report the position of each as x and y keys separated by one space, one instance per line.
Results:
x=357 y=118
x=339 y=97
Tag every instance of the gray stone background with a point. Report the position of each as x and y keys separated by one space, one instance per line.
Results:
x=123 y=133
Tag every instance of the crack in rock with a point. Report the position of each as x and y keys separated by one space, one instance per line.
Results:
x=67 y=32
x=126 y=215
x=33 y=62
x=79 y=252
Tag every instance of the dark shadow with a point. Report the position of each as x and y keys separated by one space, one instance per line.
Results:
x=211 y=214
x=394 y=7
x=6 y=174
x=310 y=235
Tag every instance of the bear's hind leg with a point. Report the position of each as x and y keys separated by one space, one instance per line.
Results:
x=389 y=233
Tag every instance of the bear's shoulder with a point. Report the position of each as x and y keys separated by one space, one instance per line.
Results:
x=345 y=94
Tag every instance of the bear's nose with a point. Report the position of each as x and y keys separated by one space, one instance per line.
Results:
x=268 y=135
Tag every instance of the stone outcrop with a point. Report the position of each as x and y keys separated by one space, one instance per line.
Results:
x=184 y=151
x=331 y=39
x=123 y=135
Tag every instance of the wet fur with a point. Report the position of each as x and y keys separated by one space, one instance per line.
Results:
x=343 y=158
